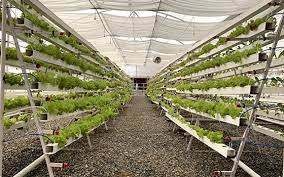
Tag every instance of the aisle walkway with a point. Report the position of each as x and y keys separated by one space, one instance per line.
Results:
x=138 y=143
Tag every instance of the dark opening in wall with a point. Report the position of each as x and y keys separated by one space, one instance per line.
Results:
x=140 y=83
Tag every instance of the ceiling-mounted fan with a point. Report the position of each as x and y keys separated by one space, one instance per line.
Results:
x=157 y=60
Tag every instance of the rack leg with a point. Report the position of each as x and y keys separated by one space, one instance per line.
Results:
x=106 y=126
x=89 y=141
x=189 y=143
x=174 y=128
x=2 y=73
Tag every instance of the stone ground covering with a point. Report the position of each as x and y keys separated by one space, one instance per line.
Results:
x=140 y=142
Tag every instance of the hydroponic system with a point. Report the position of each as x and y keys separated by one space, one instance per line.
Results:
x=230 y=77
x=71 y=89
x=61 y=88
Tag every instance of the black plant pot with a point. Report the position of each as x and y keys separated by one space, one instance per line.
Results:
x=49 y=149
x=29 y=52
x=262 y=57
x=269 y=26
x=38 y=66
x=35 y=85
x=43 y=116
x=37 y=102
x=254 y=90
x=20 y=20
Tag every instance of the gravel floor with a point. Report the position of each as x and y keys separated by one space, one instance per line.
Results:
x=140 y=142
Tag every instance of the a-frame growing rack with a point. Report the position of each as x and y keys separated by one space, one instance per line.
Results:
x=100 y=83
x=177 y=86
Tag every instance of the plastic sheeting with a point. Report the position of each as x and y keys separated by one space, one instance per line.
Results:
x=115 y=36
x=188 y=7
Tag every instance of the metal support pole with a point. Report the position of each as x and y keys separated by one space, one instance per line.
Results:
x=24 y=71
x=2 y=73
x=257 y=98
x=89 y=141
x=174 y=128
x=189 y=143
x=106 y=126
x=197 y=123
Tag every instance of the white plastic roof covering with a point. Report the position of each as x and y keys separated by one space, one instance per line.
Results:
x=132 y=41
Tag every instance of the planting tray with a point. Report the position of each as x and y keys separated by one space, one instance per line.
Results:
x=30 y=66
x=255 y=58
x=190 y=63
x=227 y=119
x=90 y=59
x=269 y=132
x=262 y=29
x=54 y=147
x=51 y=60
x=17 y=125
x=70 y=115
x=27 y=24
x=259 y=67
x=48 y=87
x=271 y=114
x=222 y=149
x=224 y=91
x=273 y=90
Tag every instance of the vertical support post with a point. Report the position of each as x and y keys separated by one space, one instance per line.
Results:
x=174 y=128
x=89 y=141
x=257 y=98
x=189 y=143
x=161 y=112
x=2 y=73
x=27 y=85
x=197 y=123
x=106 y=126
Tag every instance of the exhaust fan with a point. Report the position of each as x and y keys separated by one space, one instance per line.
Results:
x=157 y=60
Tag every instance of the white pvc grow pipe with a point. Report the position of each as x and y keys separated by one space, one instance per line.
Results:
x=248 y=169
x=31 y=166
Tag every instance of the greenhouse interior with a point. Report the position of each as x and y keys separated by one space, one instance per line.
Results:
x=142 y=88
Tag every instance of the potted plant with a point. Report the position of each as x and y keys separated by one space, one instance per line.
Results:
x=20 y=20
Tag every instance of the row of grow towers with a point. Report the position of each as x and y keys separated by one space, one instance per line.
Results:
x=65 y=89
x=232 y=77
